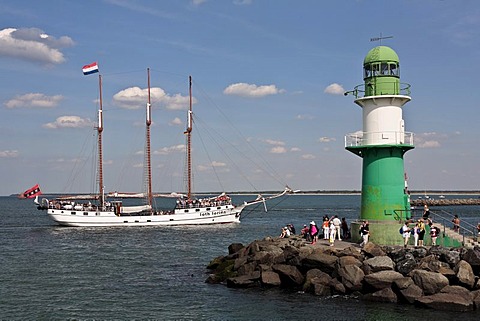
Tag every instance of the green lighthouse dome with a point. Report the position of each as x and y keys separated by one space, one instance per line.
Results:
x=381 y=72
x=381 y=53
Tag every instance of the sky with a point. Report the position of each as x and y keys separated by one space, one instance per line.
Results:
x=268 y=84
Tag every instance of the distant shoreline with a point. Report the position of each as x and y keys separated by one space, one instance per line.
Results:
x=317 y=192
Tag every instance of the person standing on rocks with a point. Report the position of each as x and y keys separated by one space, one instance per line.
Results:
x=333 y=232
x=365 y=233
x=338 y=226
x=405 y=234
x=326 y=228
x=345 y=230
x=416 y=231
x=313 y=232
x=421 y=232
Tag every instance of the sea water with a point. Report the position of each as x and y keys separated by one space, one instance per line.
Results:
x=48 y=272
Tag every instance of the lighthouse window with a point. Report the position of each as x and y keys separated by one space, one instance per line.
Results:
x=384 y=69
x=367 y=71
x=394 y=69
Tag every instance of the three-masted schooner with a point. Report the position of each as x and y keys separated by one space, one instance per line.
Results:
x=188 y=210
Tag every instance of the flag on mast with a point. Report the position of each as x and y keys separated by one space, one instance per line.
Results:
x=32 y=192
x=90 y=69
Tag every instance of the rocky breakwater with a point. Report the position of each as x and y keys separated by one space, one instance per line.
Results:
x=436 y=277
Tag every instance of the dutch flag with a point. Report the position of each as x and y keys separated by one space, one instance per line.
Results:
x=90 y=69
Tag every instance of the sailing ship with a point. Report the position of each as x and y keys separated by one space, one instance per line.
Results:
x=188 y=209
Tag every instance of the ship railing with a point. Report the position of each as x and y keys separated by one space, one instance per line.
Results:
x=378 y=138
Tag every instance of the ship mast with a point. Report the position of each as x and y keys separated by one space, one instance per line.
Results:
x=188 y=132
x=148 y=152
x=100 y=151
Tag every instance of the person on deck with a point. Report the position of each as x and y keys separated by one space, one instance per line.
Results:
x=426 y=212
x=434 y=235
x=456 y=223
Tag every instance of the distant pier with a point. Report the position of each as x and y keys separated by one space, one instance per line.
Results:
x=445 y=202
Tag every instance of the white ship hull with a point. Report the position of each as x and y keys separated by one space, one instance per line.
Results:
x=191 y=216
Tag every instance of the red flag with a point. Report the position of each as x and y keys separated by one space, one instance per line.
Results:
x=32 y=192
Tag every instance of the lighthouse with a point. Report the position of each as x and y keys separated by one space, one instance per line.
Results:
x=381 y=144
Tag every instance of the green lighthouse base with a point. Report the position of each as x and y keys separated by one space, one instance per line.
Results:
x=381 y=232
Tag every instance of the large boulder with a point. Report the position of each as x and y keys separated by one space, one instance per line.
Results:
x=289 y=275
x=244 y=281
x=429 y=282
x=322 y=261
x=290 y=254
x=458 y=290
x=418 y=252
x=446 y=302
x=406 y=290
x=381 y=280
x=476 y=299
x=270 y=278
x=472 y=256
x=464 y=274
x=377 y=264
x=337 y=287
x=384 y=295
x=406 y=265
x=350 y=251
x=371 y=250
x=351 y=277
x=451 y=257
x=315 y=276
x=235 y=247
x=348 y=260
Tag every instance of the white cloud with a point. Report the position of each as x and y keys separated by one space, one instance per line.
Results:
x=175 y=122
x=295 y=149
x=326 y=139
x=278 y=150
x=251 y=90
x=428 y=144
x=218 y=164
x=198 y=2
x=304 y=117
x=170 y=149
x=9 y=153
x=308 y=156
x=69 y=122
x=428 y=140
x=242 y=2
x=135 y=98
x=32 y=44
x=34 y=100
x=274 y=142
x=334 y=89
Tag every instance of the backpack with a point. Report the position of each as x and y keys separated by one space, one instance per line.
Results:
x=401 y=230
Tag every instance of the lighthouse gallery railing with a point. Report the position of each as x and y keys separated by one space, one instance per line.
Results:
x=378 y=138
